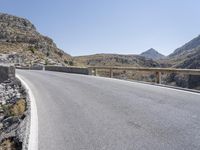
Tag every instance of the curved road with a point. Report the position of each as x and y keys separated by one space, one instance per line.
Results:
x=78 y=112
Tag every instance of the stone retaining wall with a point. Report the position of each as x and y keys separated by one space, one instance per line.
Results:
x=76 y=70
x=6 y=72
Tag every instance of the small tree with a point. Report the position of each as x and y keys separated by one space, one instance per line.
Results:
x=46 y=62
x=71 y=63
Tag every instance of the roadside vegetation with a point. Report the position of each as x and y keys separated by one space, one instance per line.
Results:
x=13 y=114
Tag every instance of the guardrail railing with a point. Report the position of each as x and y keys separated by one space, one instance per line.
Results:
x=92 y=70
x=158 y=71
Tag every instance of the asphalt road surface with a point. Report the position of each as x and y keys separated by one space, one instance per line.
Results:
x=79 y=112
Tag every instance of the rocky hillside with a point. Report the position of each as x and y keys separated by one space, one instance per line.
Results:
x=152 y=54
x=187 y=56
x=114 y=60
x=21 y=43
x=119 y=60
x=187 y=48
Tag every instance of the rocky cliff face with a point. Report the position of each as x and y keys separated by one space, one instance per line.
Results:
x=19 y=37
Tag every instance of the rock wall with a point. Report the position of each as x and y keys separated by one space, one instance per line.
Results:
x=7 y=72
x=76 y=70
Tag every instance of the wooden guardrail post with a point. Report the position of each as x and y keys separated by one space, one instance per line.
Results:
x=90 y=71
x=158 y=71
x=95 y=72
x=158 y=77
x=111 y=72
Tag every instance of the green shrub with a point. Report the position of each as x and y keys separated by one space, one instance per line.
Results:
x=46 y=62
x=71 y=63
x=32 y=49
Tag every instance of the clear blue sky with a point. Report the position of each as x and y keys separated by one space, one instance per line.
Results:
x=111 y=26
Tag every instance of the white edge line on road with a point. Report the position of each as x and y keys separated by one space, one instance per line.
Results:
x=162 y=86
x=33 y=135
x=178 y=89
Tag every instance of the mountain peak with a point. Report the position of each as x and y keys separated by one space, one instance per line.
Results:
x=151 y=49
x=152 y=54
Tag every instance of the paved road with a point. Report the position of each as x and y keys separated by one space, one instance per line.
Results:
x=78 y=112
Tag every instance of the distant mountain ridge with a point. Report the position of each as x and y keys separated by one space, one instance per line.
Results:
x=152 y=54
x=114 y=60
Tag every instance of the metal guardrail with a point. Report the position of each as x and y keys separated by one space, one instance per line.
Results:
x=158 y=71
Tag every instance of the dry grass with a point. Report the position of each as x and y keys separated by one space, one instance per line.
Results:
x=7 y=145
x=18 y=108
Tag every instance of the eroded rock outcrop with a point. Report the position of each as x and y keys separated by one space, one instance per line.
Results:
x=18 y=36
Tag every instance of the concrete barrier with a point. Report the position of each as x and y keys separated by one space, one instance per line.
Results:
x=76 y=70
x=6 y=72
x=34 y=67
x=22 y=68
